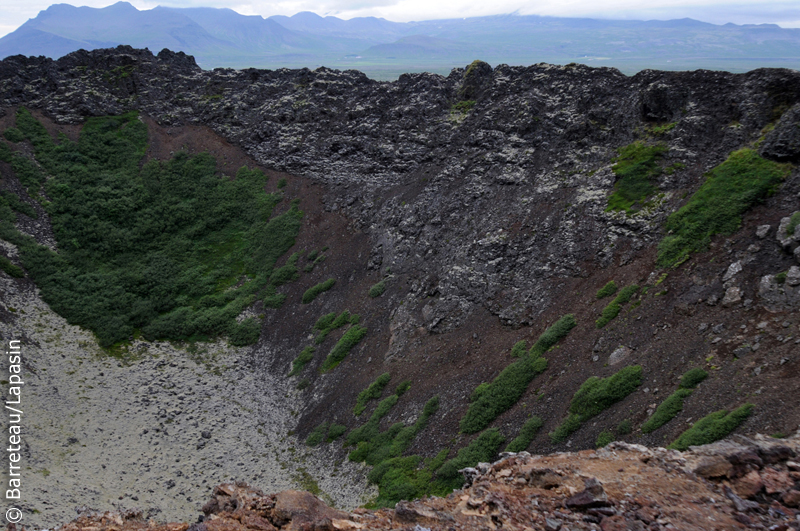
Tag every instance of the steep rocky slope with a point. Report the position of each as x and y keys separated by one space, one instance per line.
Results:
x=480 y=199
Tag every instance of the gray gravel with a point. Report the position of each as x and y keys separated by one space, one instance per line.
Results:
x=155 y=430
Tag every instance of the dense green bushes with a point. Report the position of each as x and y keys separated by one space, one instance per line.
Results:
x=605 y=438
x=712 y=428
x=794 y=221
x=349 y=340
x=377 y=289
x=312 y=292
x=330 y=322
x=693 y=377
x=730 y=189
x=302 y=360
x=614 y=307
x=526 y=435
x=667 y=410
x=505 y=390
x=10 y=268
x=595 y=395
x=483 y=449
x=168 y=248
x=636 y=167
x=372 y=392
x=606 y=291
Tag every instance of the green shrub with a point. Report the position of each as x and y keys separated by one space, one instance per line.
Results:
x=330 y=322
x=794 y=221
x=596 y=395
x=636 y=167
x=312 y=292
x=526 y=435
x=504 y=391
x=286 y=273
x=245 y=333
x=519 y=349
x=317 y=435
x=377 y=289
x=482 y=450
x=13 y=134
x=349 y=340
x=13 y=270
x=565 y=429
x=463 y=107
x=606 y=291
x=624 y=427
x=731 y=189
x=780 y=278
x=604 y=439
x=692 y=378
x=374 y=446
x=614 y=307
x=335 y=431
x=713 y=427
x=282 y=182
x=402 y=387
x=302 y=360
x=5 y=152
x=167 y=248
x=372 y=392
x=667 y=410
x=13 y=202
x=302 y=384
x=663 y=129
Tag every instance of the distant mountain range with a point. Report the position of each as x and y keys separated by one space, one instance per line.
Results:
x=384 y=49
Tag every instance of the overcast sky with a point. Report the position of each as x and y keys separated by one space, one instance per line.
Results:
x=785 y=13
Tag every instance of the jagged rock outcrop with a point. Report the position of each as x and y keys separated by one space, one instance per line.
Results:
x=530 y=162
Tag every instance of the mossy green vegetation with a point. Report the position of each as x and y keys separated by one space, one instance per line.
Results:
x=666 y=410
x=375 y=446
x=5 y=152
x=12 y=134
x=712 y=427
x=692 y=378
x=10 y=203
x=731 y=189
x=303 y=359
x=314 y=291
x=504 y=391
x=331 y=321
x=349 y=340
x=372 y=392
x=526 y=435
x=463 y=107
x=636 y=167
x=596 y=395
x=606 y=291
x=317 y=435
x=171 y=249
x=286 y=273
x=483 y=449
x=13 y=270
x=794 y=221
x=519 y=349
x=377 y=289
x=605 y=438
x=325 y=433
x=402 y=387
x=614 y=307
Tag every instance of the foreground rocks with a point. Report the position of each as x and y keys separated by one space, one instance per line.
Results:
x=732 y=485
